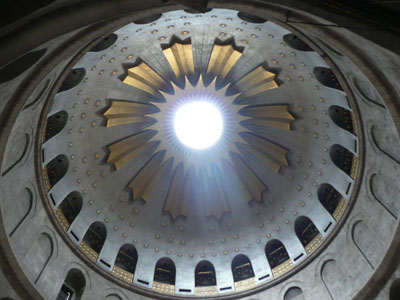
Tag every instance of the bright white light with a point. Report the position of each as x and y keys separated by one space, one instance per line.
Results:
x=198 y=124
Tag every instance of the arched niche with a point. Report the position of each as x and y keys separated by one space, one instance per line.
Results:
x=73 y=286
x=241 y=268
x=73 y=79
x=307 y=233
x=55 y=123
x=38 y=256
x=20 y=65
x=105 y=43
x=332 y=200
x=343 y=159
x=93 y=240
x=342 y=117
x=125 y=262
x=69 y=209
x=250 y=18
x=294 y=293
x=165 y=271
x=327 y=78
x=278 y=258
x=296 y=43
x=204 y=274
x=55 y=170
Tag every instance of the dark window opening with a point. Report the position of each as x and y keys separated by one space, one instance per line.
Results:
x=71 y=206
x=165 y=271
x=305 y=230
x=342 y=158
x=205 y=274
x=293 y=41
x=329 y=197
x=276 y=253
x=96 y=236
x=56 y=169
x=326 y=77
x=241 y=268
x=341 y=117
x=127 y=258
x=73 y=79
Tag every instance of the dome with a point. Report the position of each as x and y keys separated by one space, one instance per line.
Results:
x=184 y=154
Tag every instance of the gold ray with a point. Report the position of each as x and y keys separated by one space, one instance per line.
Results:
x=165 y=167
x=222 y=59
x=145 y=78
x=268 y=123
x=179 y=195
x=268 y=111
x=249 y=180
x=124 y=112
x=264 y=158
x=257 y=81
x=276 y=116
x=267 y=148
x=144 y=177
x=180 y=58
x=215 y=203
x=123 y=151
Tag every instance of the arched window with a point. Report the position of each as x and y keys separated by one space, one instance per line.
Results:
x=73 y=286
x=327 y=78
x=341 y=117
x=343 y=159
x=204 y=274
x=69 y=209
x=277 y=255
x=125 y=263
x=331 y=199
x=55 y=170
x=55 y=123
x=165 y=271
x=307 y=232
x=93 y=240
x=73 y=79
x=241 y=268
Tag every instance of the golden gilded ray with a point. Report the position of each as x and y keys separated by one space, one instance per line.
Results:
x=125 y=150
x=222 y=168
x=180 y=193
x=145 y=176
x=124 y=112
x=145 y=78
x=273 y=155
x=249 y=180
x=257 y=81
x=180 y=58
x=222 y=59
x=276 y=116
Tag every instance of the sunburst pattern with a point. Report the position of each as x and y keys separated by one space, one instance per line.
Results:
x=213 y=169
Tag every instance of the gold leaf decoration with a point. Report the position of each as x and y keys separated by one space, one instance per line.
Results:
x=123 y=151
x=124 y=112
x=181 y=168
x=257 y=81
x=145 y=78
x=180 y=193
x=146 y=175
x=222 y=59
x=180 y=58
x=276 y=116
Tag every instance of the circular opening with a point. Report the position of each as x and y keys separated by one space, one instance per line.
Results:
x=198 y=124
